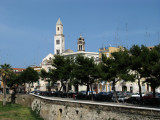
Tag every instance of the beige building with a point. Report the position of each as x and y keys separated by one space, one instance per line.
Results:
x=121 y=85
x=108 y=50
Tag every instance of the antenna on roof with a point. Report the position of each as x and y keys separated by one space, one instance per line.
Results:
x=149 y=39
x=126 y=31
x=146 y=37
x=158 y=38
x=115 y=37
x=127 y=41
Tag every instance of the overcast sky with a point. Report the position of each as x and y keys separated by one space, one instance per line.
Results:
x=27 y=27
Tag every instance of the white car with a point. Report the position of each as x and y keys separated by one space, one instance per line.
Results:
x=137 y=95
x=119 y=98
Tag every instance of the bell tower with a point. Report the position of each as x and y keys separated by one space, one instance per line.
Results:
x=59 y=38
x=81 y=44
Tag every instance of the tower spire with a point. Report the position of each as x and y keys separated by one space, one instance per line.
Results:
x=59 y=41
x=59 y=22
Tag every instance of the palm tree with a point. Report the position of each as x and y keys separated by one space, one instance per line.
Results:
x=5 y=72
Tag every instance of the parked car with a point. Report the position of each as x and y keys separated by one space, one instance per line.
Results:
x=59 y=94
x=119 y=98
x=35 y=92
x=149 y=100
x=46 y=93
x=104 y=96
x=90 y=92
x=71 y=94
x=150 y=95
x=137 y=94
x=119 y=93
x=127 y=93
x=133 y=100
x=82 y=95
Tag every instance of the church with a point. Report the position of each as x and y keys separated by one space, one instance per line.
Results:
x=59 y=49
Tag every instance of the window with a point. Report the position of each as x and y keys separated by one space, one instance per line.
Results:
x=143 y=87
x=48 y=83
x=103 y=88
x=80 y=47
x=38 y=83
x=57 y=28
x=58 y=52
x=57 y=42
x=49 y=69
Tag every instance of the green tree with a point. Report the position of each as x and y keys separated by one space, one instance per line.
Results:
x=46 y=76
x=14 y=81
x=152 y=69
x=85 y=72
x=139 y=59
x=29 y=75
x=116 y=68
x=62 y=70
x=5 y=71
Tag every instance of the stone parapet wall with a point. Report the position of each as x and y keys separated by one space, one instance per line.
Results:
x=23 y=99
x=60 y=109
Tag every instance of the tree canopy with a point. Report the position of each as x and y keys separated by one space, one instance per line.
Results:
x=29 y=75
x=116 y=68
x=5 y=72
x=62 y=69
x=152 y=68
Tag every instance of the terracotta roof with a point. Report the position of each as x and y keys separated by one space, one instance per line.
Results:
x=18 y=69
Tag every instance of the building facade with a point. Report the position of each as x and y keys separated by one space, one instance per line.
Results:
x=121 y=85
x=59 y=48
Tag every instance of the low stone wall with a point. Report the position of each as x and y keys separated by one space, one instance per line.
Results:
x=54 y=109
x=23 y=99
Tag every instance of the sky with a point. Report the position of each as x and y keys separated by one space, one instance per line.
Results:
x=27 y=27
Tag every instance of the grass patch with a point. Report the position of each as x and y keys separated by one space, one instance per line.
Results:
x=17 y=112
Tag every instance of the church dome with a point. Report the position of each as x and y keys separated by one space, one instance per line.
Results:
x=68 y=51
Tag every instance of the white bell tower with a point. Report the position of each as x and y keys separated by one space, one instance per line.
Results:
x=81 y=44
x=59 y=38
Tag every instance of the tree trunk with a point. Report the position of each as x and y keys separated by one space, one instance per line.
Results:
x=61 y=87
x=91 y=92
x=140 y=91
x=154 y=93
x=4 y=92
x=114 y=91
x=87 y=89
x=86 y=96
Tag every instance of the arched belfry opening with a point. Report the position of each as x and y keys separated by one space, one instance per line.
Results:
x=81 y=44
